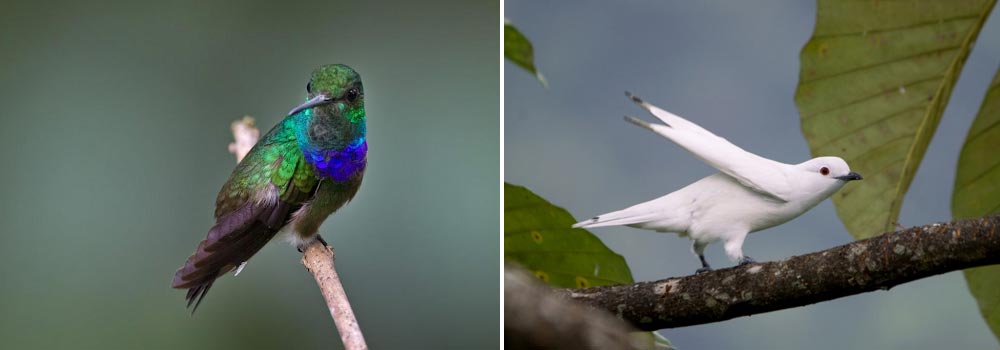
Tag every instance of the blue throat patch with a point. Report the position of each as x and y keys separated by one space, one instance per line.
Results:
x=340 y=165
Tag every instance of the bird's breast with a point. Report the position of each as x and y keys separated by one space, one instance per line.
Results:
x=340 y=164
x=722 y=205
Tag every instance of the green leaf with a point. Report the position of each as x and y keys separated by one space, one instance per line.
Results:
x=654 y=340
x=538 y=236
x=875 y=78
x=661 y=343
x=977 y=193
x=977 y=183
x=517 y=49
x=984 y=283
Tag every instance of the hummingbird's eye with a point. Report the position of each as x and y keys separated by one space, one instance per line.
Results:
x=825 y=171
x=352 y=95
x=309 y=87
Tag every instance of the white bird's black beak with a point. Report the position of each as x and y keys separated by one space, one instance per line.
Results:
x=850 y=177
x=320 y=99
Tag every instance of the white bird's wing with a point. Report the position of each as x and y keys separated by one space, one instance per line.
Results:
x=760 y=174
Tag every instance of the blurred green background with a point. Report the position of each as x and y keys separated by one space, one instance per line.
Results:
x=114 y=121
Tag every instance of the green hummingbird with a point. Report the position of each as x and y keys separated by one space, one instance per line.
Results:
x=303 y=170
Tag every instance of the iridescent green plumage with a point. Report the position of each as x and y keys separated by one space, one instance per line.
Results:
x=300 y=172
x=275 y=160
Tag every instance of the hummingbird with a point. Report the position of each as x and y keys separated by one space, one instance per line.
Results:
x=304 y=169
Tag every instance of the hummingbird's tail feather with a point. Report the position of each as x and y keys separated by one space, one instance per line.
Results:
x=235 y=238
x=199 y=275
x=196 y=294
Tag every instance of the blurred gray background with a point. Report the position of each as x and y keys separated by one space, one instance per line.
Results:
x=731 y=67
x=114 y=121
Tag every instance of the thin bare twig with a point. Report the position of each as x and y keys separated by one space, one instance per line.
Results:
x=245 y=135
x=318 y=259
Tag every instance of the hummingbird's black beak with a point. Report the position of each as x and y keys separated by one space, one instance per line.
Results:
x=320 y=99
x=850 y=177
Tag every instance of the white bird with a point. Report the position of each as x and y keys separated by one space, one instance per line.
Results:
x=749 y=194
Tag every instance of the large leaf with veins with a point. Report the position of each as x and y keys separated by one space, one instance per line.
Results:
x=874 y=80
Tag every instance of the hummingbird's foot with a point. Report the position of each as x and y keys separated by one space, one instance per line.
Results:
x=301 y=246
x=747 y=260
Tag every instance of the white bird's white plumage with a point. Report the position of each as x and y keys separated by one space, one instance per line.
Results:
x=750 y=193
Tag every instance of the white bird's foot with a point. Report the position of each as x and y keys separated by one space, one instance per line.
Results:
x=747 y=260
x=704 y=264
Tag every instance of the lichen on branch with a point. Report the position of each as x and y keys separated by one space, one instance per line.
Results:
x=881 y=262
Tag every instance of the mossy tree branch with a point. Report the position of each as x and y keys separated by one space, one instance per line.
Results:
x=880 y=262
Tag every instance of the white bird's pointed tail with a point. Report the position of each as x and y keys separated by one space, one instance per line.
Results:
x=626 y=216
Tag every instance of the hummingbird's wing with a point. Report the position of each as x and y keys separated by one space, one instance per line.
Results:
x=760 y=174
x=271 y=182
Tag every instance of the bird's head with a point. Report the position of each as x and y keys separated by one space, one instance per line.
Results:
x=335 y=89
x=828 y=172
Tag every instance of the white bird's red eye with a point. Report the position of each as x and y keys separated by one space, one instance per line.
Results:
x=825 y=171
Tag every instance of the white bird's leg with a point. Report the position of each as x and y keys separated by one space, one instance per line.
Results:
x=698 y=248
x=734 y=249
